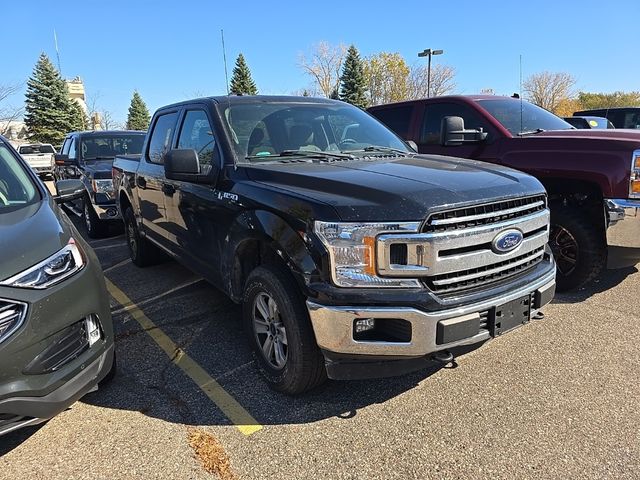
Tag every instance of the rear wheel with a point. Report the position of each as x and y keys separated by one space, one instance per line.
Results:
x=280 y=332
x=142 y=252
x=96 y=228
x=578 y=247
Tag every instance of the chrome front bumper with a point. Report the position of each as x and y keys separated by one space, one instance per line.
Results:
x=333 y=325
x=623 y=231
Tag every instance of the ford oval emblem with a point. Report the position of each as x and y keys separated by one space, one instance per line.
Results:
x=507 y=241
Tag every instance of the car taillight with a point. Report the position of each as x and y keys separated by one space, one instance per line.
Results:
x=634 y=185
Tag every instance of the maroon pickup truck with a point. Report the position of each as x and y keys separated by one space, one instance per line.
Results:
x=592 y=176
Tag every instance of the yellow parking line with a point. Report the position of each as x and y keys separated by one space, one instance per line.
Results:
x=218 y=395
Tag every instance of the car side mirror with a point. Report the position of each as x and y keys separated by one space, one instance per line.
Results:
x=452 y=132
x=183 y=164
x=63 y=160
x=69 y=190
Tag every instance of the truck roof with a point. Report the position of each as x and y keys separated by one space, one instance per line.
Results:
x=240 y=99
x=448 y=97
x=105 y=132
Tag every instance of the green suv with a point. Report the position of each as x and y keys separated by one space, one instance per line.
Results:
x=56 y=335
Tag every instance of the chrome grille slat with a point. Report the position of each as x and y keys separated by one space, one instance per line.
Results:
x=12 y=315
x=473 y=218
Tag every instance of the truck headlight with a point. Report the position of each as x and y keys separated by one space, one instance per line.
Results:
x=50 y=271
x=352 y=251
x=634 y=185
x=103 y=186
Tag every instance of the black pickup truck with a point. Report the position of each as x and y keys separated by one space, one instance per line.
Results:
x=353 y=256
x=88 y=156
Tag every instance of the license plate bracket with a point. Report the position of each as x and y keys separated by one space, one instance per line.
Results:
x=509 y=315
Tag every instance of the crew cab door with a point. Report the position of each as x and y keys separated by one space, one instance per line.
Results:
x=150 y=177
x=427 y=133
x=196 y=212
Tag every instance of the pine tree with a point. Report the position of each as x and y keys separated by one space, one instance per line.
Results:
x=79 y=119
x=353 y=86
x=49 y=112
x=241 y=81
x=138 y=118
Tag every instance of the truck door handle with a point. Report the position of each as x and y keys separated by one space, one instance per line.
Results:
x=168 y=189
x=141 y=182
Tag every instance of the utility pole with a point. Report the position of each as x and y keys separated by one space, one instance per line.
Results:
x=427 y=52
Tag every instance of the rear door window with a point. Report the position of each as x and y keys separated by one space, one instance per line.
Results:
x=160 y=141
x=397 y=119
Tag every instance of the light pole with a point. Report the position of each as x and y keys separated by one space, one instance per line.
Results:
x=427 y=52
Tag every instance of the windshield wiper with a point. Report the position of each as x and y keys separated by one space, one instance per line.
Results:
x=98 y=158
x=303 y=153
x=378 y=148
x=531 y=132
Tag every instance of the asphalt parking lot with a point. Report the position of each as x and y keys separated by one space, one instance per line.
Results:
x=555 y=399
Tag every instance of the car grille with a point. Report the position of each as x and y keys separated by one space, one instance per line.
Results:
x=474 y=216
x=471 y=278
x=11 y=317
x=455 y=252
x=69 y=345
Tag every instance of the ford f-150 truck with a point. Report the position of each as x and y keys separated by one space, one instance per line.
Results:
x=592 y=177
x=88 y=156
x=351 y=255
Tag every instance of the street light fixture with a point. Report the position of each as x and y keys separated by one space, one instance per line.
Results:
x=427 y=52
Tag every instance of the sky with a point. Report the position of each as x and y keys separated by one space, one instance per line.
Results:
x=171 y=51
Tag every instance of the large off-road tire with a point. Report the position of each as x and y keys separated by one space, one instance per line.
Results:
x=280 y=332
x=96 y=228
x=142 y=252
x=578 y=247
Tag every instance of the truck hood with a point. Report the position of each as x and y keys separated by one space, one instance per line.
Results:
x=399 y=189
x=29 y=235
x=98 y=168
x=624 y=135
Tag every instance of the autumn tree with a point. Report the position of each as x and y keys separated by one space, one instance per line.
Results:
x=138 y=117
x=386 y=77
x=50 y=113
x=324 y=66
x=442 y=81
x=241 y=82
x=353 y=85
x=549 y=89
x=588 y=101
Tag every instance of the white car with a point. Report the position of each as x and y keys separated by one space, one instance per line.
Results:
x=39 y=156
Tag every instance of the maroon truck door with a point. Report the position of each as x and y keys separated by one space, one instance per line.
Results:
x=427 y=131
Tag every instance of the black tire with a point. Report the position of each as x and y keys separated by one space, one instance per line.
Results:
x=96 y=228
x=578 y=247
x=142 y=252
x=304 y=367
x=108 y=378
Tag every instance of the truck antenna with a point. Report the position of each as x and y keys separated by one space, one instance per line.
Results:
x=224 y=56
x=55 y=41
x=521 y=104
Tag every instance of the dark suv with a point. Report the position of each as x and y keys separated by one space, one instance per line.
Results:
x=621 y=117
x=88 y=156
x=56 y=336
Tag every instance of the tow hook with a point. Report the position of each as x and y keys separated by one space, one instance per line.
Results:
x=444 y=357
x=538 y=315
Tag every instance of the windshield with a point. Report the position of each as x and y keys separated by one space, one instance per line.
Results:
x=106 y=147
x=522 y=118
x=34 y=149
x=16 y=186
x=266 y=131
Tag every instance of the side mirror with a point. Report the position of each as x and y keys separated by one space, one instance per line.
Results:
x=452 y=132
x=63 y=160
x=413 y=145
x=182 y=164
x=69 y=190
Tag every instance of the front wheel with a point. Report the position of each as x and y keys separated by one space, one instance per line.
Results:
x=578 y=248
x=280 y=332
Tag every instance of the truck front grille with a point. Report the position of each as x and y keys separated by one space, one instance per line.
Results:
x=455 y=250
x=469 y=217
x=11 y=317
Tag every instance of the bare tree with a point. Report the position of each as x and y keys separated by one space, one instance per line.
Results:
x=442 y=81
x=549 y=89
x=107 y=122
x=324 y=66
x=9 y=113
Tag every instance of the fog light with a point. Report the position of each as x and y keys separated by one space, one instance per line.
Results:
x=364 y=324
x=111 y=212
x=92 y=327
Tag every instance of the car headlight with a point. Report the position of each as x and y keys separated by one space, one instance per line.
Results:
x=50 y=271
x=103 y=186
x=634 y=185
x=352 y=250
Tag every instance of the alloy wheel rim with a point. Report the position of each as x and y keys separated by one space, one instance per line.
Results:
x=131 y=237
x=269 y=331
x=565 y=249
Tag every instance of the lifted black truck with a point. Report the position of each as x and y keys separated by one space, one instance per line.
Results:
x=353 y=256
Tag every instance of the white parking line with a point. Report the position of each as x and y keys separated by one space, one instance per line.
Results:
x=117 y=265
x=104 y=247
x=131 y=306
